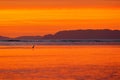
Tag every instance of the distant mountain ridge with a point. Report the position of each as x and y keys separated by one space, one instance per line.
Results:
x=4 y=38
x=73 y=34
x=85 y=34
x=28 y=37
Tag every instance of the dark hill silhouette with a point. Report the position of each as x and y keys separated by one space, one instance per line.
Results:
x=85 y=34
x=28 y=38
x=4 y=38
x=73 y=34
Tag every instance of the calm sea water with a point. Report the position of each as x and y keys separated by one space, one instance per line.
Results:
x=60 y=62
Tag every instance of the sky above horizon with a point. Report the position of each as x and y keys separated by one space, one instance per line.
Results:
x=40 y=17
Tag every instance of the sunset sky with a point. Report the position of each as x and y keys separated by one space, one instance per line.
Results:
x=40 y=17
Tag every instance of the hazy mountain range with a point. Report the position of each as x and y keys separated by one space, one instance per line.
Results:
x=73 y=34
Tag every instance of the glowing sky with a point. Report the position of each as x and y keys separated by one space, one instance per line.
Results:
x=40 y=17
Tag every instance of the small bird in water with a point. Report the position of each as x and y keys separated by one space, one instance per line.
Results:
x=33 y=46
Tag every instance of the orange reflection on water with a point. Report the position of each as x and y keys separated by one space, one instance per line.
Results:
x=26 y=57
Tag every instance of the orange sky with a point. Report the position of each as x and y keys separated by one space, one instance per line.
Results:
x=40 y=17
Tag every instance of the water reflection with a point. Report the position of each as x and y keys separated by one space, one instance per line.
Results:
x=60 y=62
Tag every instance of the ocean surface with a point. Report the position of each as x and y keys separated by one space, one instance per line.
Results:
x=60 y=62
